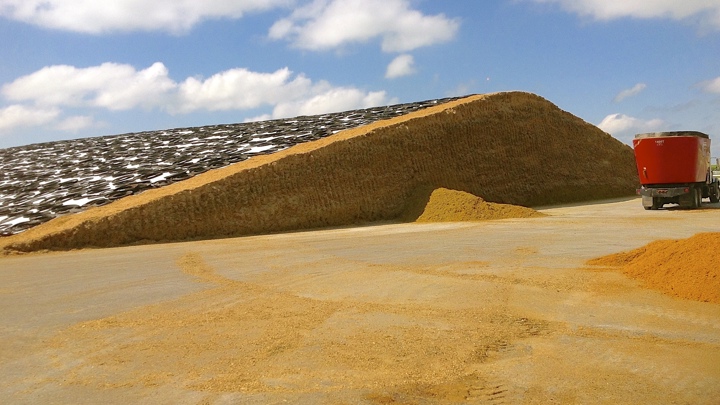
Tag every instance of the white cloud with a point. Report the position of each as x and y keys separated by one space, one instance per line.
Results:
x=95 y=17
x=117 y=87
x=110 y=85
x=15 y=116
x=711 y=86
x=624 y=127
x=76 y=123
x=708 y=11
x=261 y=117
x=400 y=66
x=633 y=91
x=239 y=89
x=329 y=24
x=334 y=99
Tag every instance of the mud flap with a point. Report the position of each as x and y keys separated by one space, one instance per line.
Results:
x=647 y=202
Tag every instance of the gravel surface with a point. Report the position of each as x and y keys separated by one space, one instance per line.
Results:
x=487 y=312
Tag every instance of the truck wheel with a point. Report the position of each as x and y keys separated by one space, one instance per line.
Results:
x=715 y=193
x=697 y=197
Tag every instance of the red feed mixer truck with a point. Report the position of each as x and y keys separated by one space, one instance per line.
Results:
x=674 y=167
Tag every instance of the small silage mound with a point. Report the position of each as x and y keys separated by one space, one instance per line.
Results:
x=685 y=268
x=511 y=148
x=451 y=206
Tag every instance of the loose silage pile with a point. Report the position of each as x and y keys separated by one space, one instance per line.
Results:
x=458 y=206
x=511 y=148
x=685 y=268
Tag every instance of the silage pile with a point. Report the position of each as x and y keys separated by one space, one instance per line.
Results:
x=686 y=268
x=511 y=148
x=452 y=206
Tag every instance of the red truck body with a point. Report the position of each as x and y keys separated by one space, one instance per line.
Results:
x=674 y=167
x=672 y=157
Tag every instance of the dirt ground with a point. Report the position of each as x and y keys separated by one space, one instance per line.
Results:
x=490 y=312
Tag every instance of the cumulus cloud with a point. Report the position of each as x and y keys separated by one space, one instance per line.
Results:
x=330 y=100
x=634 y=91
x=76 y=123
x=333 y=99
x=95 y=17
x=400 y=66
x=110 y=85
x=624 y=127
x=330 y=24
x=16 y=116
x=239 y=89
x=711 y=86
x=115 y=87
x=706 y=11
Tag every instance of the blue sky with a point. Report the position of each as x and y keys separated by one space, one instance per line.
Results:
x=74 y=68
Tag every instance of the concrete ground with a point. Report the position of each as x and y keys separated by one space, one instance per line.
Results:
x=488 y=312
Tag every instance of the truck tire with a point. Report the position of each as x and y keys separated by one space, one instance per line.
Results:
x=697 y=197
x=715 y=193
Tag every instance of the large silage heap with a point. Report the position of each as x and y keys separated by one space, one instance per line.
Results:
x=512 y=148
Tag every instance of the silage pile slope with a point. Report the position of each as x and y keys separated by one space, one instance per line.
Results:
x=512 y=148
x=686 y=268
